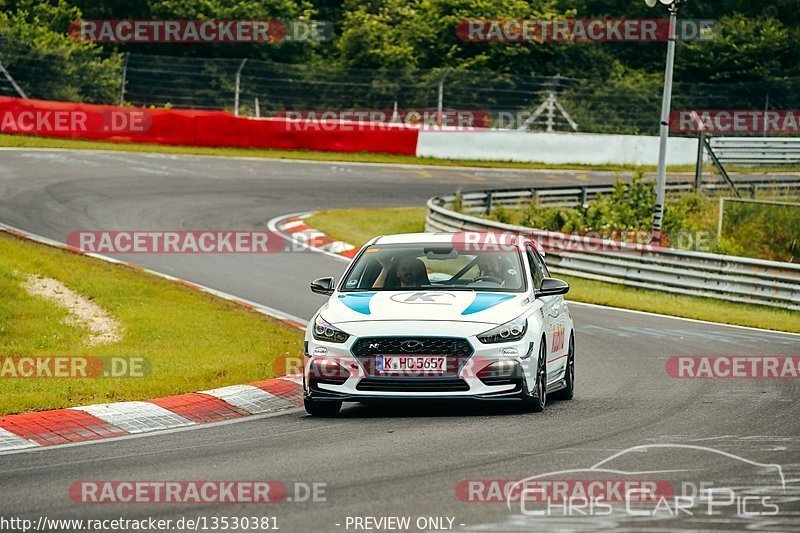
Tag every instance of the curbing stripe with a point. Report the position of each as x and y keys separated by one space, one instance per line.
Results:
x=199 y=408
x=60 y=426
x=249 y=398
x=10 y=441
x=295 y=229
x=136 y=417
x=285 y=388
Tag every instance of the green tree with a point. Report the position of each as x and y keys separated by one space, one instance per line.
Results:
x=49 y=65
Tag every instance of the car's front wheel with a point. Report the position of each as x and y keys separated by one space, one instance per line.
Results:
x=327 y=408
x=535 y=398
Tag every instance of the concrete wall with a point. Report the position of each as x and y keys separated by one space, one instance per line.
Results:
x=586 y=148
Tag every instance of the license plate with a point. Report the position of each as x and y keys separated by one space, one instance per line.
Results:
x=411 y=364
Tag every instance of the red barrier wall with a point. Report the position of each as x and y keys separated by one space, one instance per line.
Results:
x=195 y=128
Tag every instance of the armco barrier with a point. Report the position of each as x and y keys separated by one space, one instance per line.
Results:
x=723 y=277
x=196 y=128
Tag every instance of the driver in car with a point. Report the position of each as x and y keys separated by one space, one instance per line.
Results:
x=407 y=272
x=491 y=266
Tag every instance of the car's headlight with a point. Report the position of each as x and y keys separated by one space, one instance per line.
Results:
x=511 y=331
x=326 y=332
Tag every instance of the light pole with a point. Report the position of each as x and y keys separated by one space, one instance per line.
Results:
x=661 y=181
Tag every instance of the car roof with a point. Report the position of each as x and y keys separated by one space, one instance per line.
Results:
x=415 y=238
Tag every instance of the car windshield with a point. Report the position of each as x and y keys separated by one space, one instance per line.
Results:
x=434 y=266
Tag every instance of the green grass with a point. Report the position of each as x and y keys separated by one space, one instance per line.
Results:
x=357 y=226
x=192 y=340
x=27 y=141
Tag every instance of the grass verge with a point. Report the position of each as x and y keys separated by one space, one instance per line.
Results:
x=193 y=341
x=356 y=226
x=28 y=141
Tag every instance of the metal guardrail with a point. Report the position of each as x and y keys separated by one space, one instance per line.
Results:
x=723 y=277
x=757 y=150
x=560 y=196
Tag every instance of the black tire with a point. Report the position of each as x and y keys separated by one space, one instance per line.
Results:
x=535 y=401
x=328 y=408
x=568 y=392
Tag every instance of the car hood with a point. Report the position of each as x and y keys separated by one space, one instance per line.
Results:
x=459 y=306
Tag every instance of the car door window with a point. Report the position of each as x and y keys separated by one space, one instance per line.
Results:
x=537 y=269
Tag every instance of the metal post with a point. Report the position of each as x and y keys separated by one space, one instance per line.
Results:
x=661 y=181
x=238 y=80
x=12 y=81
x=551 y=112
x=124 y=78
x=698 y=171
x=440 y=106
x=258 y=108
x=719 y=220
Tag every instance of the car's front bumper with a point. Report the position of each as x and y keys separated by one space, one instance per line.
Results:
x=490 y=372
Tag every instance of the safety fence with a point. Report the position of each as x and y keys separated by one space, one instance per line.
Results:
x=259 y=87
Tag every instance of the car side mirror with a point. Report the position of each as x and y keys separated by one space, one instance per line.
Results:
x=552 y=287
x=323 y=286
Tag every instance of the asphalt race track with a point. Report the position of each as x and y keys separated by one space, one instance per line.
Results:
x=399 y=460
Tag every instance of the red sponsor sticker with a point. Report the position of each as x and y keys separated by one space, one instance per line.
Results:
x=733 y=367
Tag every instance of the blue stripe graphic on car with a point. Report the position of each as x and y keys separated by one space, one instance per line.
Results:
x=484 y=301
x=358 y=302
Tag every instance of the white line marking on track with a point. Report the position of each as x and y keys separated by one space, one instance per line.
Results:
x=646 y=313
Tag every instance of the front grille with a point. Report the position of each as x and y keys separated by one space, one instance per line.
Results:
x=456 y=350
x=412 y=385
x=411 y=346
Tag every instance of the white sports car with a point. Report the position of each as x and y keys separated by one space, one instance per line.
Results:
x=435 y=316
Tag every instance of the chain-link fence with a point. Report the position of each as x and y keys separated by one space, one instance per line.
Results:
x=265 y=88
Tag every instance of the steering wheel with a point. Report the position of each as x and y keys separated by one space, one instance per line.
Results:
x=488 y=278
